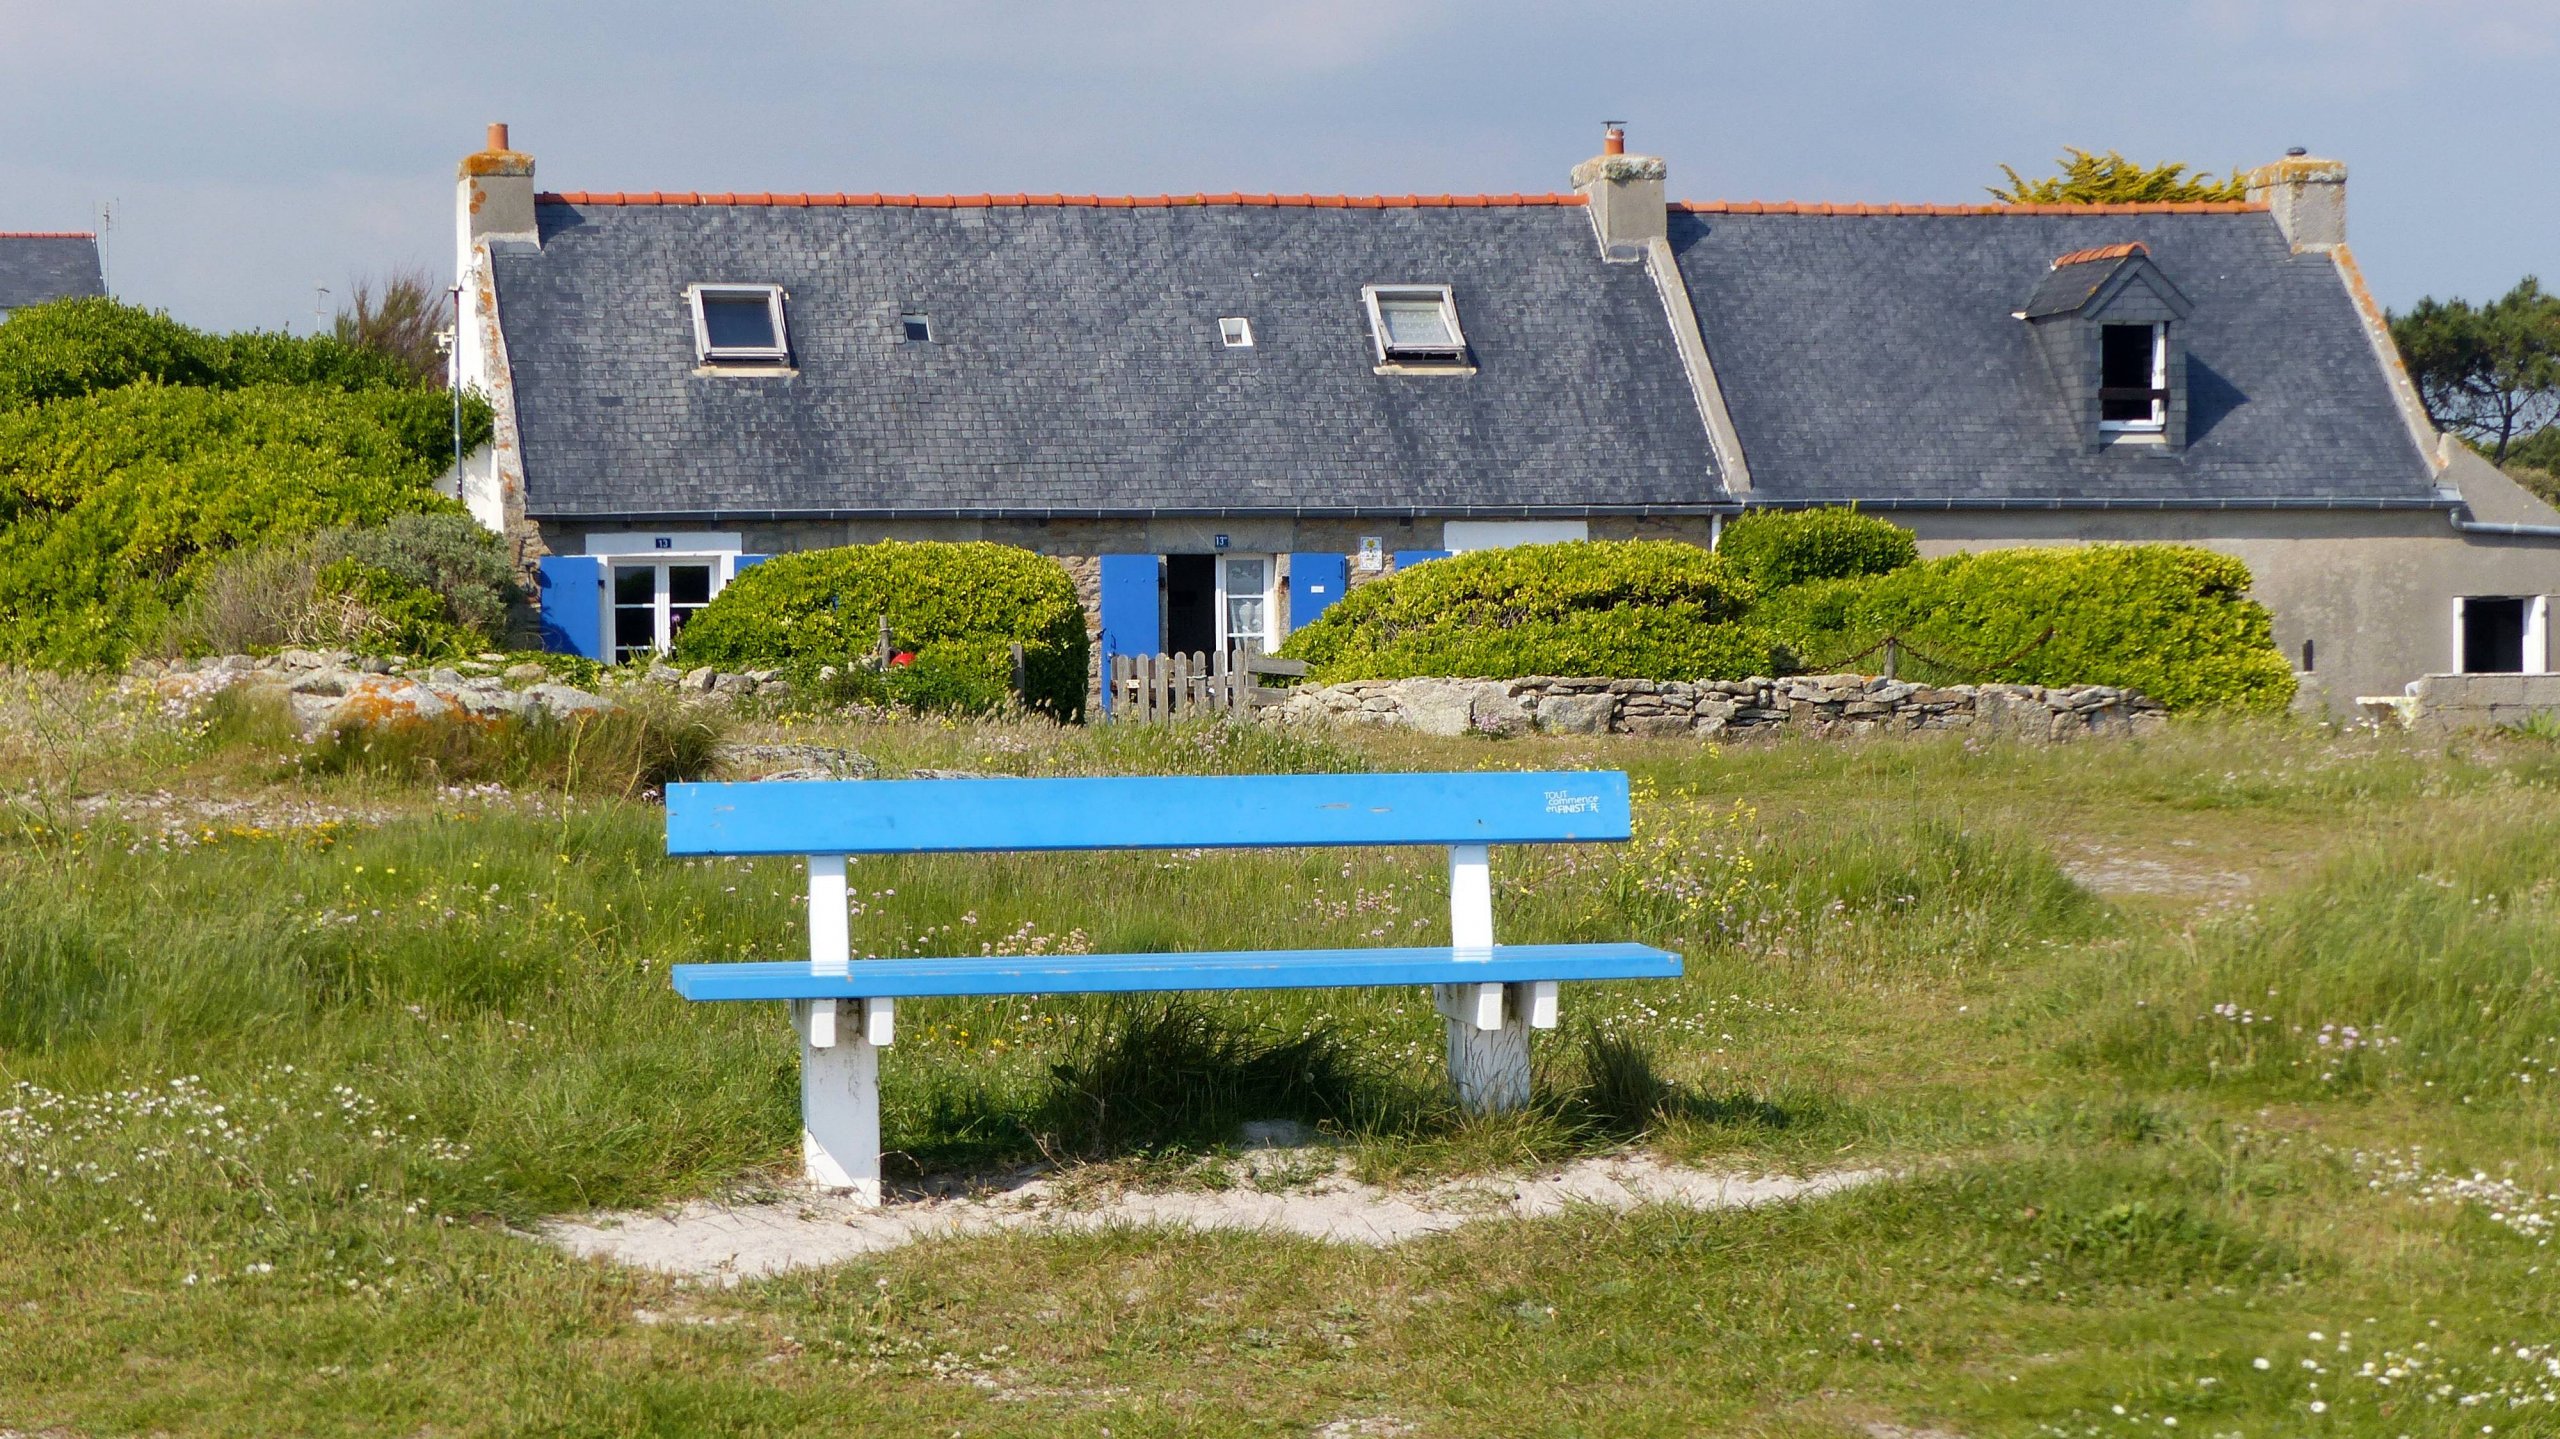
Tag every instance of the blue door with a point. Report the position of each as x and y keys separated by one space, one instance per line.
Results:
x=1132 y=611
x=1405 y=559
x=1315 y=582
x=572 y=601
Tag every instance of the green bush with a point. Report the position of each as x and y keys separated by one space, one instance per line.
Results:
x=1638 y=609
x=1774 y=549
x=2172 y=621
x=113 y=505
x=957 y=607
x=135 y=451
x=69 y=348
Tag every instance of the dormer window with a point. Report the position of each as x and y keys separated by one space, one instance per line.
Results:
x=2111 y=328
x=1415 y=324
x=2133 y=377
x=739 y=324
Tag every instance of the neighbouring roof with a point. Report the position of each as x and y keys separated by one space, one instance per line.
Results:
x=1875 y=353
x=41 y=265
x=1076 y=365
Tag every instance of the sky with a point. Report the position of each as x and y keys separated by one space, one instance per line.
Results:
x=255 y=151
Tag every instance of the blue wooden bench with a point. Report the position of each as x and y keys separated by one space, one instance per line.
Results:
x=1491 y=995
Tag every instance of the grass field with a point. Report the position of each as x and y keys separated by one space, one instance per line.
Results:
x=2218 y=1069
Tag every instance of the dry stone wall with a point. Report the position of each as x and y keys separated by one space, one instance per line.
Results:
x=1719 y=709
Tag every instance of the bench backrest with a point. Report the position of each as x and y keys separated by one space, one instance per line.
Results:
x=931 y=816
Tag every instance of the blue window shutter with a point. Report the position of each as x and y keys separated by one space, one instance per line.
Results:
x=1405 y=558
x=573 y=605
x=746 y=562
x=1315 y=582
x=1132 y=609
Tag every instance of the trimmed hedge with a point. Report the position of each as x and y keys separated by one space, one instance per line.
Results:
x=2172 y=621
x=957 y=607
x=1774 y=549
x=1636 y=609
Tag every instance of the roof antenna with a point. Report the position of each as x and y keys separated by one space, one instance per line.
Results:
x=106 y=233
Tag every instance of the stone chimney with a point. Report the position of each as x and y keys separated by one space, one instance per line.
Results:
x=2308 y=197
x=495 y=196
x=1625 y=195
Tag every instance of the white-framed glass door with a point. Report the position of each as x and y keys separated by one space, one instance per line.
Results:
x=651 y=600
x=1245 y=608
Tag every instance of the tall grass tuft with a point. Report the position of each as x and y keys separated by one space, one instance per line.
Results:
x=1155 y=1073
x=629 y=752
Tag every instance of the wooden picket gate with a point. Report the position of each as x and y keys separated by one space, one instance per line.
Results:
x=1159 y=689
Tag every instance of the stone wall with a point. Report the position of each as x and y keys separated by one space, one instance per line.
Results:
x=2443 y=704
x=1711 y=709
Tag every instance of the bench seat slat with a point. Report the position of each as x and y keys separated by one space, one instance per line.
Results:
x=1132 y=973
x=930 y=816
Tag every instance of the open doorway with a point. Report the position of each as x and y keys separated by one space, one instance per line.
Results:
x=2503 y=635
x=1190 y=604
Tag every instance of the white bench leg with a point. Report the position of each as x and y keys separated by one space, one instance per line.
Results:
x=1489 y=1068
x=1488 y=1028
x=840 y=1115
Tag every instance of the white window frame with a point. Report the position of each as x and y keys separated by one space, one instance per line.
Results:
x=2536 y=659
x=2159 y=421
x=709 y=354
x=923 y=318
x=720 y=549
x=1270 y=601
x=1236 y=332
x=661 y=597
x=1452 y=353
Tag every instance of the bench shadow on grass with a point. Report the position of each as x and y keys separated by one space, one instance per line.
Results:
x=1621 y=1095
x=1163 y=1077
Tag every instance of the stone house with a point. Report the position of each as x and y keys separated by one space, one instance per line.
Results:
x=1221 y=411
x=41 y=265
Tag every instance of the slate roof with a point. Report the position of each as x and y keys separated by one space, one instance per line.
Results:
x=1077 y=367
x=36 y=267
x=1873 y=354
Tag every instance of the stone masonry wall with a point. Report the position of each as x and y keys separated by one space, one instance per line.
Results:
x=2443 y=704
x=1708 y=709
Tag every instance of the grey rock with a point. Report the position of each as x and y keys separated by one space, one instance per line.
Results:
x=1275 y=1134
x=444 y=678
x=733 y=685
x=488 y=702
x=701 y=679
x=1576 y=713
x=565 y=700
x=331 y=682
x=1438 y=708
x=1659 y=726
x=526 y=673
x=311 y=713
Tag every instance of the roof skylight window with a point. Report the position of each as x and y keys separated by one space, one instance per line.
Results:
x=1415 y=324
x=1237 y=332
x=739 y=324
x=915 y=327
